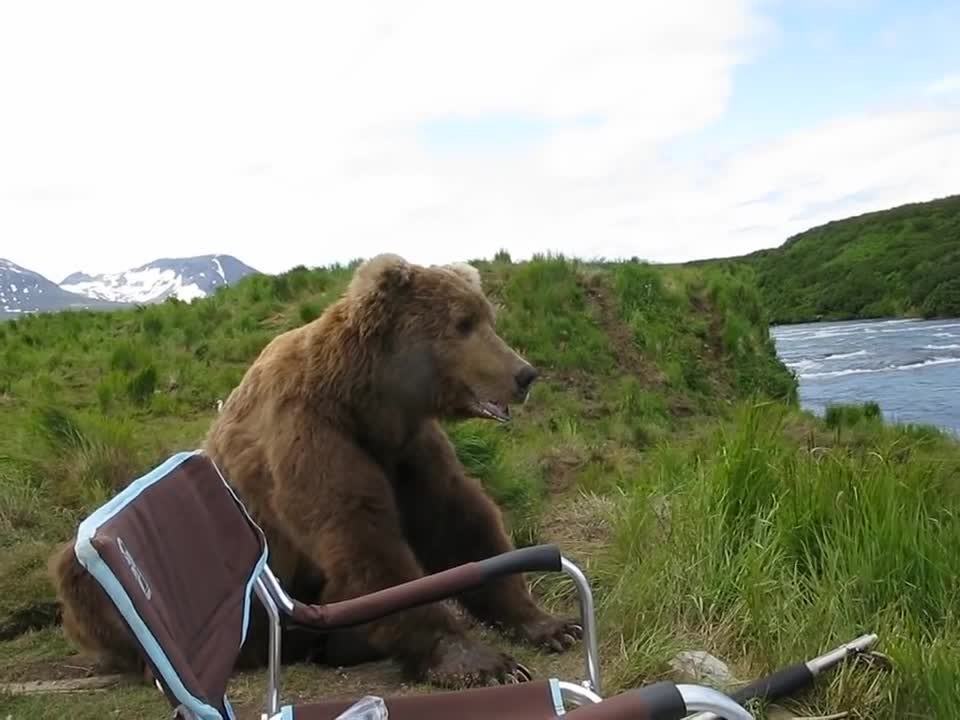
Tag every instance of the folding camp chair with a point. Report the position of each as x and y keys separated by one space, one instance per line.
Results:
x=181 y=559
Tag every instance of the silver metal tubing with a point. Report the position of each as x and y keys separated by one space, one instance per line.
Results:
x=824 y=662
x=818 y=664
x=589 y=621
x=276 y=589
x=576 y=695
x=699 y=698
x=705 y=716
x=695 y=697
x=273 y=671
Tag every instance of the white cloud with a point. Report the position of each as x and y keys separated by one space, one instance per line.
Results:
x=286 y=133
x=859 y=164
x=949 y=85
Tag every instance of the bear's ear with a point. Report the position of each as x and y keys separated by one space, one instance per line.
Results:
x=382 y=273
x=468 y=272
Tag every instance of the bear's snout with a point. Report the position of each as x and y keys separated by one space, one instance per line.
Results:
x=525 y=379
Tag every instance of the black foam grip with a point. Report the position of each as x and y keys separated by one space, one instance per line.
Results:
x=538 y=558
x=780 y=684
x=663 y=701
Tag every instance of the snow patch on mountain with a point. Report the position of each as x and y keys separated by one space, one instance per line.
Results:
x=183 y=278
x=139 y=286
x=23 y=291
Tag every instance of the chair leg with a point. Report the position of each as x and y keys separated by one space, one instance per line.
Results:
x=273 y=670
x=589 y=620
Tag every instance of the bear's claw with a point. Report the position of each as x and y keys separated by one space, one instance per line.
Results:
x=552 y=633
x=459 y=662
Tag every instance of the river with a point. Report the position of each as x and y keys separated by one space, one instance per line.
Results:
x=910 y=368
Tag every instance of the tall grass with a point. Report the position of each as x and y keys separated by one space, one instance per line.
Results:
x=743 y=327
x=764 y=536
x=68 y=464
x=546 y=315
x=702 y=327
x=505 y=474
x=773 y=552
x=84 y=458
x=659 y=314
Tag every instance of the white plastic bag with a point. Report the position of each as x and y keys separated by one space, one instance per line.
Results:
x=370 y=707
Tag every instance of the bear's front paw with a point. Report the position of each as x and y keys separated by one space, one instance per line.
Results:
x=557 y=634
x=460 y=662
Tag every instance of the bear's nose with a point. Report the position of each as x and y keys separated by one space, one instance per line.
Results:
x=525 y=379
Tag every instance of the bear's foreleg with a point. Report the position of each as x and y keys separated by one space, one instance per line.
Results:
x=450 y=520
x=338 y=507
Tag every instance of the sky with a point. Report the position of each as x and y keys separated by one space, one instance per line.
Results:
x=290 y=133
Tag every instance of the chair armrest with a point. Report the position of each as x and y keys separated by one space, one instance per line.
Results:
x=429 y=588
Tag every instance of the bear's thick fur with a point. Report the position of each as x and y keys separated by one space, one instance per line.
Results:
x=332 y=440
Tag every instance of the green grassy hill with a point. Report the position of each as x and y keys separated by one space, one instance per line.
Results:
x=662 y=449
x=896 y=263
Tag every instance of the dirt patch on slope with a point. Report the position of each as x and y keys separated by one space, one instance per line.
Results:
x=625 y=350
x=580 y=524
x=559 y=467
x=714 y=340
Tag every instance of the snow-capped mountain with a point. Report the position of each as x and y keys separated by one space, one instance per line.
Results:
x=23 y=291
x=183 y=278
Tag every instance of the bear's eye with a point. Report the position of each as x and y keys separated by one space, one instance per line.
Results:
x=465 y=325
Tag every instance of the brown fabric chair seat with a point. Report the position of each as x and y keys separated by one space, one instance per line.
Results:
x=538 y=700
x=178 y=555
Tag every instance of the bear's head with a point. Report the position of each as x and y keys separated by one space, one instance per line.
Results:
x=432 y=333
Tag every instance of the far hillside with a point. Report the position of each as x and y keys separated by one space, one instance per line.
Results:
x=900 y=262
x=662 y=448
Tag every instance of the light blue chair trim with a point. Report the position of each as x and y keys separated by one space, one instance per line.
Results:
x=91 y=560
x=258 y=568
x=557 y=697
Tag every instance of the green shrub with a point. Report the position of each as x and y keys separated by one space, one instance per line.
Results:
x=840 y=415
x=141 y=387
x=164 y=404
x=126 y=357
x=152 y=325
x=902 y=261
x=112 y=391
x=308 y=312
x=944 y=301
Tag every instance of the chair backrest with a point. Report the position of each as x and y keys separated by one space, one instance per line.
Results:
x=178 y=555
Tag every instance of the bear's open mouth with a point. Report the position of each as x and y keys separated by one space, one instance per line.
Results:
x=492 y=410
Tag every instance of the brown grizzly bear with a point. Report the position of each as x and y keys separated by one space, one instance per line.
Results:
x=332 y=440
